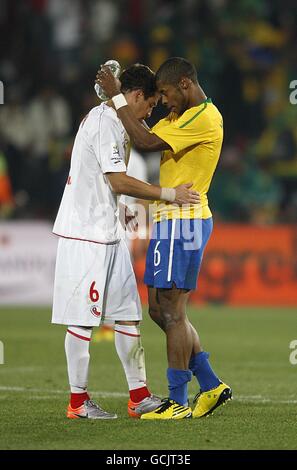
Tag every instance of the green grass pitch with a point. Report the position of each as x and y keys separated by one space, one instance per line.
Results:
x=249 y=350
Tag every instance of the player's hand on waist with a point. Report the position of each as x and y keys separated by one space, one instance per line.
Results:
x=185 y=195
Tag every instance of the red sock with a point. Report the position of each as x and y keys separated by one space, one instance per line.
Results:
x=77 y=399
x=139 y=394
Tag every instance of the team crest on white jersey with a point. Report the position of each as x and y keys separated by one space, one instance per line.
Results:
x=95 y=311
x=115 y=157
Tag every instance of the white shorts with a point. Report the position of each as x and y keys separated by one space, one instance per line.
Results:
x=94 y=283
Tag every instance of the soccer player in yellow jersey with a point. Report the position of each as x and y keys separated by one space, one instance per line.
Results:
x=190 y=139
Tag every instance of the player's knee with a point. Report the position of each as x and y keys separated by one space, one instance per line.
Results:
x=171 y=317
x=154 y=313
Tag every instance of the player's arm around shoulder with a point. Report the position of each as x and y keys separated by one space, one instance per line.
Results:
x=142 y=137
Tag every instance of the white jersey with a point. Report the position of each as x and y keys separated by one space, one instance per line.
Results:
x=89 y=208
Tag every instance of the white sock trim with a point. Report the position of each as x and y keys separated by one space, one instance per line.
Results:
x=128 y=330
x=80 y=332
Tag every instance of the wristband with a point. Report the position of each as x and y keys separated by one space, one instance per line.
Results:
x=119 y=101
x=168 y=194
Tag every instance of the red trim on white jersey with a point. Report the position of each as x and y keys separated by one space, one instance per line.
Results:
x=79 y=336
x=127 y=334
x=90 y=241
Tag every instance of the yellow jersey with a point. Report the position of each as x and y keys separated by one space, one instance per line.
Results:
x=196 y=139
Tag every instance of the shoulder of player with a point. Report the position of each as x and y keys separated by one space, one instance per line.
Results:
x=166 y=121
x=102 y=117
x=104 y=112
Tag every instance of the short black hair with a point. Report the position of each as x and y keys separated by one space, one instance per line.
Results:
x=174 y=69
x=139 y=77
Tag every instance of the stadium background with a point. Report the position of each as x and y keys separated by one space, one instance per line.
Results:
x=246 y=56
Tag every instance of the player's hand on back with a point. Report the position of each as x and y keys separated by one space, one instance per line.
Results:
x=185 y=195
x=106 y=80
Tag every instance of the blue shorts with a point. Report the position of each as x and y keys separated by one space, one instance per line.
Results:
x=175 y=252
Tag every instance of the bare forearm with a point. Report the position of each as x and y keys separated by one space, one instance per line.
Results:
x=141 y=137
x=132 y=187
x=121 y=183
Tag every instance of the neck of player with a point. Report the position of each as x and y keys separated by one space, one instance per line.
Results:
x=197 y=96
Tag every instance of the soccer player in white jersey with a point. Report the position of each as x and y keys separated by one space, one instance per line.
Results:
x=94 y=278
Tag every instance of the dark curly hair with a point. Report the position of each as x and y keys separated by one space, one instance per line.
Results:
x=174 y=69
x=139 y=77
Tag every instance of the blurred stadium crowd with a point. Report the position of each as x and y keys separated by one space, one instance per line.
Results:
x=246 y=56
